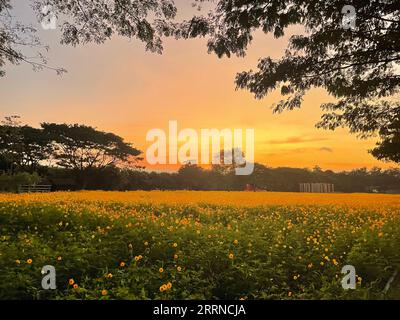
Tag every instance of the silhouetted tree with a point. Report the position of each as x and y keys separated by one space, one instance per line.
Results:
x=22 y=147
x=359 y=66
x=82 y=148
x=191 y=176
x=81 y=22
x=389 y=146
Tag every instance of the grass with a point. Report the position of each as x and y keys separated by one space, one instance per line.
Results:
x=189 y=245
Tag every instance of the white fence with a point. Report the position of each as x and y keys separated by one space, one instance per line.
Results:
x=317 y=187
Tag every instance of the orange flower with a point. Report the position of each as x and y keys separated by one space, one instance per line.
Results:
x=122 y=264
x=76 y=286
x=29 y=261
x=104 y=292
x=231 y=256
x=161 y=270
x=71 y=281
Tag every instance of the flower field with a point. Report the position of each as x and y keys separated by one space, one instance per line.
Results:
x=199 y=245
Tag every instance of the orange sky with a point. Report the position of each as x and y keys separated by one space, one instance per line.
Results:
x=119 y=87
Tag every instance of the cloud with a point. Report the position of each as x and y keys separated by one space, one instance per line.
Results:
x=298 y=139
x=326 y=149
x=296 y=151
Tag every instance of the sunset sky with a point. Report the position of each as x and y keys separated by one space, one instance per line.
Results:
x=119 y=87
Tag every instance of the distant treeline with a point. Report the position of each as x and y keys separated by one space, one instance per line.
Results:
x=192 y=177
x=76 y=157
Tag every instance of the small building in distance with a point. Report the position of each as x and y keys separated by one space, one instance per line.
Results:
x=317 y=187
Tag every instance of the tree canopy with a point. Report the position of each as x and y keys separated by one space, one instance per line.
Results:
x=358 y=66
x=22 y=147
x=78 y=148
x=82 y=148
x=81 y=22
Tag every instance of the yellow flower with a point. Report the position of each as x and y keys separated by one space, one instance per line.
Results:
x=59 y=258
x=235 y=242
x=17 y=261
x=139 y=257
x=146 y=243
x=161 y=270
x=104 y=292
x=175 y=245
x=179 y=269
x=109 y=276
x=29 y=261
x=71 y=281
x=122 y=264
x=335 y=262
x=175 y=256
x=163 y=288
x=231 y=256
x=290 y=293
x=169 y=285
